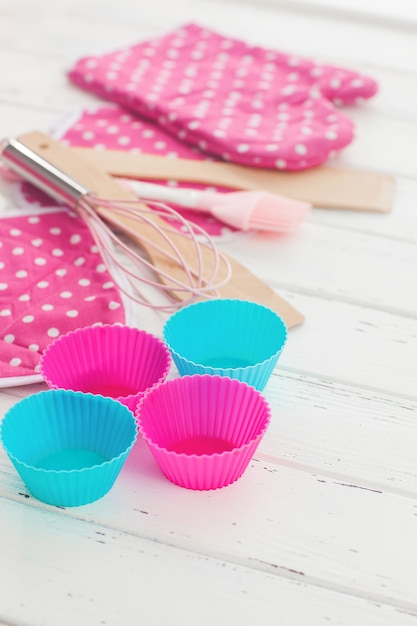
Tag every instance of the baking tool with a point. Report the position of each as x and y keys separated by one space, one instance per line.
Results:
x=68 y=447
x=205 y=272
x=245 y=210
x=185 y=277
x=203 y=430
x=121 y=362
x=323 y=186
x=233 y=338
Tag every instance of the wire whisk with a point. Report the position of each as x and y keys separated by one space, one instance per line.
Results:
x=197 y=284
x=175 y=257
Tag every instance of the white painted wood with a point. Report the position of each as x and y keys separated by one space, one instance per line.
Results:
x=317 y=35
x=97 y=575
x=398 y=224
x=321 y=528
x=353 y=343
x=334 y=272
x=300 y=525
x=402 y=14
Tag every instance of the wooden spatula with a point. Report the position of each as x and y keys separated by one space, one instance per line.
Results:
x=323 y=186
x=243 y=284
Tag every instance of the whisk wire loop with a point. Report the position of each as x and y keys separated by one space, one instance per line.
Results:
x=198 y=283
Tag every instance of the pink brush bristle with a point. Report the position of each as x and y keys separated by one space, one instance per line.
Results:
x=276 y=213
x=256 y=210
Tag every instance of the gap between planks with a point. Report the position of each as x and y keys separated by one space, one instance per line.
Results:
x=258 y=565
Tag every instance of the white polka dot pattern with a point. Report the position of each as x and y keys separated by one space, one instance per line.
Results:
x=227 y=97
x=51 y=294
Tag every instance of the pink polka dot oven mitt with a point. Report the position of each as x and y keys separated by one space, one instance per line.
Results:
x=52 y=280
x=239 y=102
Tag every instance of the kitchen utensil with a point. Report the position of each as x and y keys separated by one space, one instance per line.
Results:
x=245 y=210
x=323 y=186
x=186 y=269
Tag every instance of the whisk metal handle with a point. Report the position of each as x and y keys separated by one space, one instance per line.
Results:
x=37 y=170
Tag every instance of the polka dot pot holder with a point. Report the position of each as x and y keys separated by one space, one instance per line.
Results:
x=52 y=280
x=239 y=102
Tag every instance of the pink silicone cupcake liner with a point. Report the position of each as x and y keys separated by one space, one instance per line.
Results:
x=203 y=430
x=118 y=361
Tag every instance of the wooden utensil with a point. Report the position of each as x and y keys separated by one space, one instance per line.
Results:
x=323 y=186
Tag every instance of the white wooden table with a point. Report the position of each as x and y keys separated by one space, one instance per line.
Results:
x=322 y=528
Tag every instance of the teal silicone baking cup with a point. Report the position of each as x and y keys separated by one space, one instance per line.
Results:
x=68 y=447
x=226 y=337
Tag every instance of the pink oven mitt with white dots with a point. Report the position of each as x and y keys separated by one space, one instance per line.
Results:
x=242 y=103
x=52 y=280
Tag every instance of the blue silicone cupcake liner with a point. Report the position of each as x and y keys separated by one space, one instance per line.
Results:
x=68 y=447
x=226 y=337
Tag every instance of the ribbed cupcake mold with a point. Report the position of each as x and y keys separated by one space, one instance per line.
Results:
x=203 y=430
x=68 y=447
x=117 y=361
x=226 y=337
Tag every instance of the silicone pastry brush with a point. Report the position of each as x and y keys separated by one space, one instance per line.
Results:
x=245 y=210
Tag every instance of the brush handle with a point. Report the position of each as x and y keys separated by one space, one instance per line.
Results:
x=323 y=186
x=188 y=198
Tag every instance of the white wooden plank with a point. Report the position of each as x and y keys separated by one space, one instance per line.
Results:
x=399 y=224
x=355 y=267
x=17 y=117
x=305 y=32
x=346 y=537
x=401 y=14
x=27 y=83
x=349 y=434
x=382 y=145
x=122 y=579
x=353 y=344
x=355 y=539
x=397 y=95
